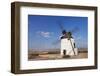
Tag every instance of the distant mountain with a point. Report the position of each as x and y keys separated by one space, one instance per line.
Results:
x=48 y=50
x=44 y=50
x=52 y=51
x=82 y=49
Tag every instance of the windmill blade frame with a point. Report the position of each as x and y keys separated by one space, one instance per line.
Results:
x=74 y=30
x=56 y=42
x=60 y=25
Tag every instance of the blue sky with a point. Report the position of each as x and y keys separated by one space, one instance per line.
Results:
x=43 y=31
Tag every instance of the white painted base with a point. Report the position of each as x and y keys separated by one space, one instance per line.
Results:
x=68 y=46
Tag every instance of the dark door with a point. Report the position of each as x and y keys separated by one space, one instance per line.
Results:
x=64 y=52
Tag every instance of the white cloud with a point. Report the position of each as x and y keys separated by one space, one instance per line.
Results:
x=44 y=34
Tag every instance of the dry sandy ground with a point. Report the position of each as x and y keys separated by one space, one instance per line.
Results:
x=56 y=56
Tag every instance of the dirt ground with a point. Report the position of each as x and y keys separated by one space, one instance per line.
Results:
x=47 y=56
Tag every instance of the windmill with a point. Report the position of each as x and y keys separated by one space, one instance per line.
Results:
x=68 y=47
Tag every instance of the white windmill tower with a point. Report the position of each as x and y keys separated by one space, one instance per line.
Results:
x=68 y=44
x=68 y=47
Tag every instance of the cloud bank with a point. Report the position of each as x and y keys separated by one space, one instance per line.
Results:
x=45 y=34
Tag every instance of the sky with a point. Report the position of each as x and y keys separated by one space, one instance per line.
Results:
x=44 y=31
